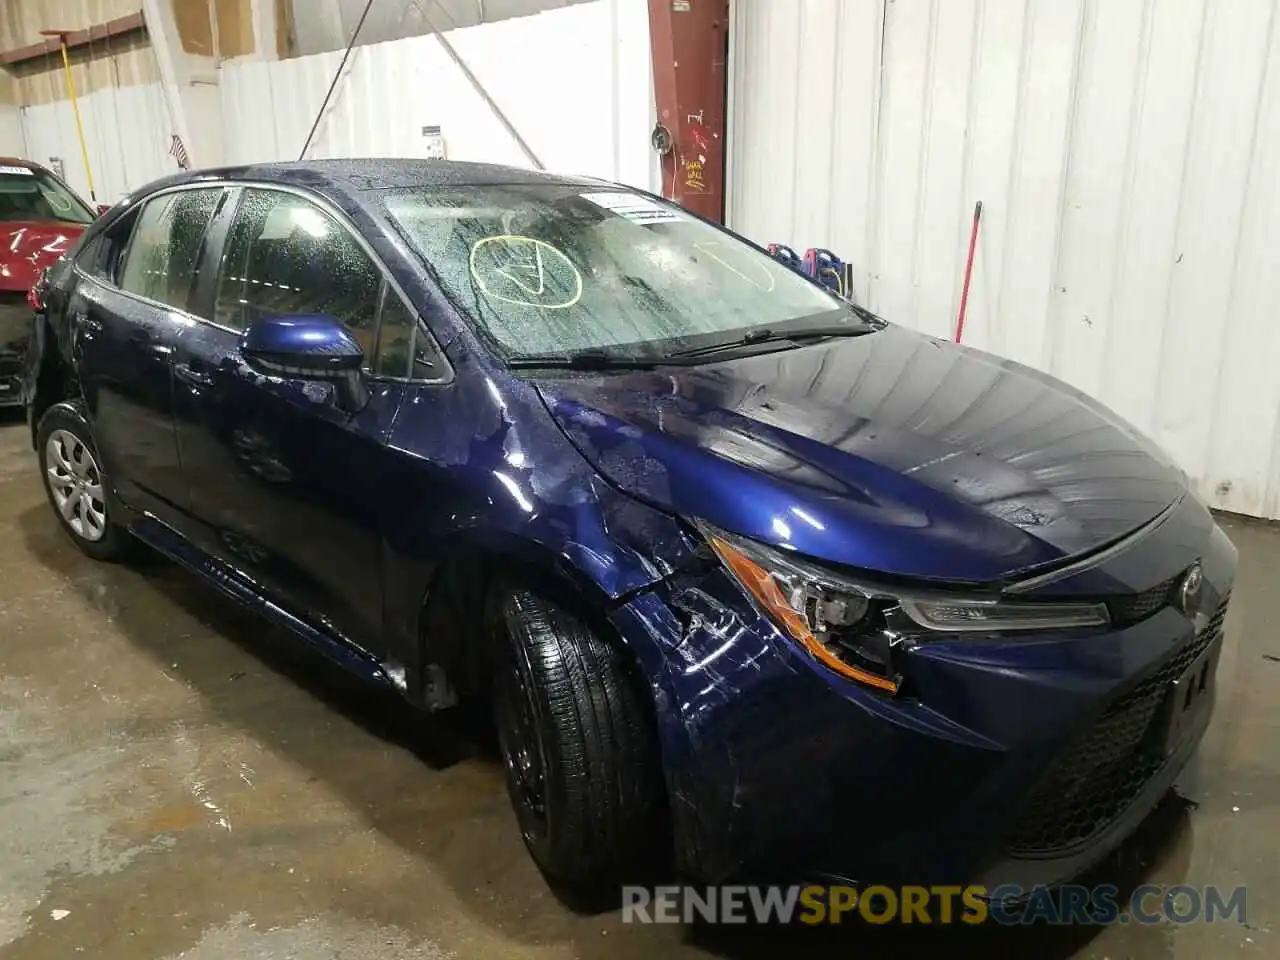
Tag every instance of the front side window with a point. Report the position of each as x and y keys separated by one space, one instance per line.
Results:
x=404 y=348
x=160 y=263
x=27 y=194
x=286 y=256
x=558 y=269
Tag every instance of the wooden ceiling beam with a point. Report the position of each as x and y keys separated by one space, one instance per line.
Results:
x=98 y=33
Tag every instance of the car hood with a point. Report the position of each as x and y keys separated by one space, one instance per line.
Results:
x=28 y=246
x=891 y=452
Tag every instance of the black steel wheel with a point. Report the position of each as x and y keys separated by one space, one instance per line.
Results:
x=577 y=744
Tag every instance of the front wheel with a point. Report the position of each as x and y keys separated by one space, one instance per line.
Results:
x=75 y=485
x=578 y=745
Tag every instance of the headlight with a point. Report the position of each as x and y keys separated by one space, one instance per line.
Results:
x=861 y=629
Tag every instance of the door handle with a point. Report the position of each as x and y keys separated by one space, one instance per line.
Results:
x=192 y=375
x=142 y=337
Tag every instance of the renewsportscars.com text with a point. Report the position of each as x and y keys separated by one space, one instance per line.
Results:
x=816 y=904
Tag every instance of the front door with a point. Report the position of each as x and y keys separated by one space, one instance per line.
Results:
x=284 y=481
x=127 y=316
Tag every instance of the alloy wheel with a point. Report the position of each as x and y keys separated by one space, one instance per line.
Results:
x=76 y=484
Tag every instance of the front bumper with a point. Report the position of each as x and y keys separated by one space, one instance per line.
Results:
x=1016 y=762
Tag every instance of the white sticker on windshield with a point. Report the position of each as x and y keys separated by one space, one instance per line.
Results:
x=21 y=171
x=632 y=207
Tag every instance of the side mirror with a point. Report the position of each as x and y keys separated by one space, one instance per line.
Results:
x=103 y=208
x=309 y=348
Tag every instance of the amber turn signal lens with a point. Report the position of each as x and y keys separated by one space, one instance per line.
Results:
x=765 y=590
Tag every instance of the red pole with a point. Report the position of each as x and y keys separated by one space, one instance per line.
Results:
x=688 y=42
x=968 y=270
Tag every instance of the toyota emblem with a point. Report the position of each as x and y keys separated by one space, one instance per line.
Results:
x=1189 y=592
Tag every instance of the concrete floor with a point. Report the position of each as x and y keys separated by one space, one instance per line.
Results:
x=175 y=781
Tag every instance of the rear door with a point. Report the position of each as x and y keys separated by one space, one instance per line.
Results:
x=284 y=483
x=127 y=313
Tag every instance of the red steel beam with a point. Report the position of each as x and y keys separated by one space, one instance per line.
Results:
x=687 y=39
x=120 y=27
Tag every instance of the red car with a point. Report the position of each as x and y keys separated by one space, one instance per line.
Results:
x=41 y=218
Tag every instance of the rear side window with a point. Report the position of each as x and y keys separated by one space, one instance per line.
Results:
x=93 y=258
x=102 y=256
x=285 y=255
x=161 y=261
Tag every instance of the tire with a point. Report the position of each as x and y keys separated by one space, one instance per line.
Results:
x=578 y=747
x=76 y=486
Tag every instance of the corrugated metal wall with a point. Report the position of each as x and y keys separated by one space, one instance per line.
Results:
x=105 y=63
x=12 y=143
x=1126 y=153
x=122 y=104
x=574 y=82
x=126 y=129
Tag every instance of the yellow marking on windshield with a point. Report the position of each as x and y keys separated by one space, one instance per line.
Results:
x=732 y=269
x=528 y=265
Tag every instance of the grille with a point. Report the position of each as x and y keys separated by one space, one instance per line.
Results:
x=1099 y=776
x=1130 y=609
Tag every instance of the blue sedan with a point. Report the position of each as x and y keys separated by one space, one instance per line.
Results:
x=757 y=583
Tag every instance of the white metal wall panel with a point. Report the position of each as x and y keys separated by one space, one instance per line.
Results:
x=575 y=82
x=1125 y=154
x=12 y=143
x=127 y=132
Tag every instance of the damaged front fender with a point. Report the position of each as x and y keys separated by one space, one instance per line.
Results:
x=771 y=761
x=709 y=659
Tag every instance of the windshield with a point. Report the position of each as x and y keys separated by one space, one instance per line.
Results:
x=558 y=269
x=27 y=194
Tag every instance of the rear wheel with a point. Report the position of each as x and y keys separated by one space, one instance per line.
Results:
x=75 y=485
x=578 y=746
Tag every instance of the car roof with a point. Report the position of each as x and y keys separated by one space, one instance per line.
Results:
x=19 y=162
x=355 y=179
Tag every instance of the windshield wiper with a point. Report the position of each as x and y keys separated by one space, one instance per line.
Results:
x=582 y=360
x=769 y=335
x=603 y=360
x=866 y=315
